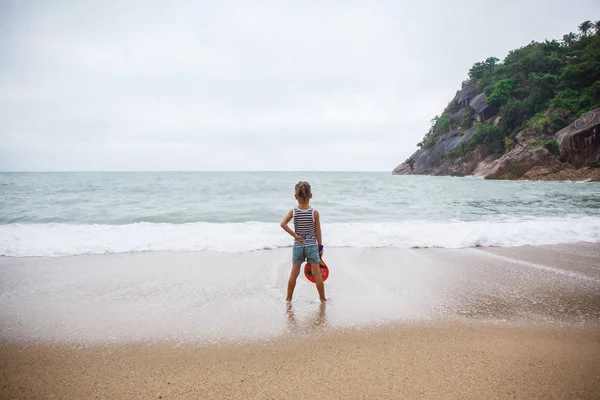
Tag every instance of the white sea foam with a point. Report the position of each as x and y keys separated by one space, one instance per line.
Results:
x=21 y=240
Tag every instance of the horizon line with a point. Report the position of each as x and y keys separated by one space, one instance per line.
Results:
x=132 y=171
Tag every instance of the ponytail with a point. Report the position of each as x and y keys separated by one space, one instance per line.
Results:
x=303 y=190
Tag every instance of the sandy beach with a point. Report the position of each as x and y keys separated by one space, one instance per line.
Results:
x=476 y=323
x=432 y=361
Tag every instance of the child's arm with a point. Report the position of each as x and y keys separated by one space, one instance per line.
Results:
x=318 y=231
x=284 y=224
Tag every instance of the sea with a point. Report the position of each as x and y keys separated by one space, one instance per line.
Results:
x=72 y=213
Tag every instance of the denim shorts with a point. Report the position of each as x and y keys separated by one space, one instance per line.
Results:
x=308 y=253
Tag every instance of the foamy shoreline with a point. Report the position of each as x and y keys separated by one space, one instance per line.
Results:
x=60 y=239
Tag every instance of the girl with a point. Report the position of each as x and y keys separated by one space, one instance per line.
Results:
x=308 y=243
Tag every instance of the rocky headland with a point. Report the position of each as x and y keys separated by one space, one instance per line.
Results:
x=577 y=158
x=535 y=116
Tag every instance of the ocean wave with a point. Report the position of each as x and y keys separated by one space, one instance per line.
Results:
x=22 y=240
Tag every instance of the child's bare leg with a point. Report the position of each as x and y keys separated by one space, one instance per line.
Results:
x=316 y=271
x=292 y=281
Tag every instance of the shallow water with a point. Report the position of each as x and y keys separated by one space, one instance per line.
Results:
x=216 y=298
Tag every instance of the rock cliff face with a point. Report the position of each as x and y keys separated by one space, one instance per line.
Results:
x=579 y=158
x=579 y=143
x=432 y=162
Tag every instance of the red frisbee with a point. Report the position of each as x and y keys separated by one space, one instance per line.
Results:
x=322 y=267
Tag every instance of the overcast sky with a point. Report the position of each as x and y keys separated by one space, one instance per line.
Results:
x=244 y=85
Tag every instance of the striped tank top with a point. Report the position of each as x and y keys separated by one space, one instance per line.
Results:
x=304 y=225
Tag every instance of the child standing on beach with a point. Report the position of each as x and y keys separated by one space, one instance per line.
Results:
x=308 y=242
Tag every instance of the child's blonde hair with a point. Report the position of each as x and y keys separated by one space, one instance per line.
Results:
x=303 y=190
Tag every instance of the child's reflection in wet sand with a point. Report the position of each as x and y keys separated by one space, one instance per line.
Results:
x=316 y=321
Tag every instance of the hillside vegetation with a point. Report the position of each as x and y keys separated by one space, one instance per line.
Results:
x=540 y=87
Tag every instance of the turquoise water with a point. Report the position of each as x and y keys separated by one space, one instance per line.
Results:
x=75 y=213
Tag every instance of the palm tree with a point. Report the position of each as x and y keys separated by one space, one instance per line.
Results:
x=585 y=27
x=569 y=38
x=597 y=27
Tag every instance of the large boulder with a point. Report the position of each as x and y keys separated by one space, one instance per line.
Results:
x=579 y=143
x=485 y=166
x=468 y=163
x=515 y=163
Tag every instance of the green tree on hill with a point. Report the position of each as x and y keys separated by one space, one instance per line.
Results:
x=585 y=27
x=569 y=38
x=480 y=69
x=501 y=92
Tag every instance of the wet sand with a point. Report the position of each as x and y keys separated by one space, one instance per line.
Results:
x=213 y=298
x=421 y=323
